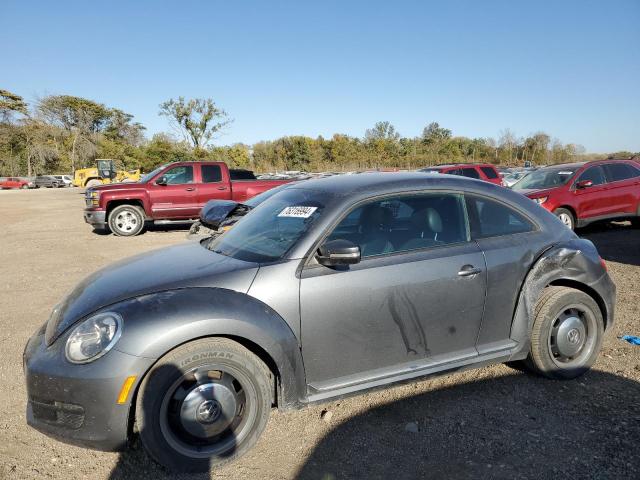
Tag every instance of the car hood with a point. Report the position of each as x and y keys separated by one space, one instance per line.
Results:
x=215 y=212
x=118 y=186
x=180 y=266
x=536 y=192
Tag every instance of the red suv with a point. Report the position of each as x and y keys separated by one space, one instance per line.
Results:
x=581 y=193
x=481 y=171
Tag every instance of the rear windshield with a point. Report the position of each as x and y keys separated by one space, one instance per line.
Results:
x=546 y=178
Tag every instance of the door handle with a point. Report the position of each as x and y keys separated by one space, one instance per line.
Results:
x=190 y=189
x=469 y=271
x=222 y=188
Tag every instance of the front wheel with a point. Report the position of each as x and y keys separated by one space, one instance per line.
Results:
x=567 y=333
x=204 y=404
x=126 y=220
x=566 y=217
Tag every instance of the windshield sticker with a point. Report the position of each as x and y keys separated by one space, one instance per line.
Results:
x=565 y=173
x=297 y=212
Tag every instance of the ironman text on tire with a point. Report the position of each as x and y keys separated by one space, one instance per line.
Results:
x=204 y=404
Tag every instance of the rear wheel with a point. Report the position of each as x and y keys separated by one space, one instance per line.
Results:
x=204 y=404
x=566 y=217
x=126 y=220
x=567 y=333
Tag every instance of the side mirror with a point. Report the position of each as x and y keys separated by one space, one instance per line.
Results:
x=338 y=252
x=161 y=181
x=584 y=184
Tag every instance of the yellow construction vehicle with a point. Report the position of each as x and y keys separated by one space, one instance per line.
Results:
x=104 y=173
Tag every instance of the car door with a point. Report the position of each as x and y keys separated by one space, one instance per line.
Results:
x=176 y=199
x=622 y=187
x=212 y=185
x=591 y=201
x=415 y=298
x=510 y=242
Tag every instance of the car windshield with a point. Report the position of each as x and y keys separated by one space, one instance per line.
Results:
x=267 y=233
x=148 y=176
x=546 y=178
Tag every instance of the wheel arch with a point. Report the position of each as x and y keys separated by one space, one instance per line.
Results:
x=568 y=282
x=574 y=263
x=111 y=204
x=158 y=323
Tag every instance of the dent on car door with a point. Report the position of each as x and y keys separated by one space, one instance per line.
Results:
x=416 y=297
x=510 y=242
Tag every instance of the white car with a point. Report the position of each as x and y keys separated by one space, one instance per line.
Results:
x=63 y=180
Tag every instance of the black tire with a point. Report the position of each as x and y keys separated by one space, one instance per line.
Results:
x=566 y=217
x=126 y=220
x=567 y=333
x=635 y=222
x=161 y=417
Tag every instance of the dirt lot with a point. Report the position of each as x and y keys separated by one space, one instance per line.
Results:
x=494 y=422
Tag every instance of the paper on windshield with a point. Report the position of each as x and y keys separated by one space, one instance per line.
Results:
x=565 y=173
x=297 y=212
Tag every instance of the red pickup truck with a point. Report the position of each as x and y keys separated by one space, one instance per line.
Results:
x=171 y=193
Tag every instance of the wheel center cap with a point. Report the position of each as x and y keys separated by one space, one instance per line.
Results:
x=208 y=411
x=573 y=336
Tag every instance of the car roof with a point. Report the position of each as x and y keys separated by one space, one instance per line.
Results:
x=458 y=165
x=574 y=165
x=389 y=182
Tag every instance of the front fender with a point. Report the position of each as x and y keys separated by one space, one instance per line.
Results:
x=157 y=323
x=575 y=262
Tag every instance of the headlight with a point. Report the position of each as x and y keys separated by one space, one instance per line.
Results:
x=540 y=200
x=94 y=337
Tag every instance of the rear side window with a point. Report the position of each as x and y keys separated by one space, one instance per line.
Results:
x=470 y=172
x=490 y=218
x=404 y=223
x=489 y=172
x=619 y=171
x=211 y=173
x=593 y=174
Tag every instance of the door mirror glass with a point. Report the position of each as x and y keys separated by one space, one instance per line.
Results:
x=584 y=184
x=161 y=181
x=338 y=252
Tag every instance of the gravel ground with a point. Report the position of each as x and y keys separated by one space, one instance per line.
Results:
x=494 y=422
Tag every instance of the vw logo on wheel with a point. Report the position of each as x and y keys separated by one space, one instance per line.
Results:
x=208 y=411
x=573 y=336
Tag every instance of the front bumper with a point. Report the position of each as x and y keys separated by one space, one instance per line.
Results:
x=77 y=404
x=97 y=218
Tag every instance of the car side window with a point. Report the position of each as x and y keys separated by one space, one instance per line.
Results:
x=593 y=174
x=404 y=223
x=490 y=218
x=470 y=172
x=179 y=175
x=489 y=172
x=211 y=173
x=618 y=171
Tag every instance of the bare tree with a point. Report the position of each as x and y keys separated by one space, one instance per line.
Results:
x=197 y=119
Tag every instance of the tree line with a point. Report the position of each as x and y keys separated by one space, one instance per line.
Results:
x=61 y=133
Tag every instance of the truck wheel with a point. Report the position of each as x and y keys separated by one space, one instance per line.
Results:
x=126 y=220
x=203 y=404
x=567 y=333
x=566 y=217
x=92 y=183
